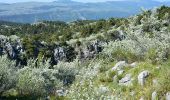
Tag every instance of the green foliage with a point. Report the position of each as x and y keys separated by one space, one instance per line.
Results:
x=124 y=55
x=7 y=74
x=162 y=11
x=30 y=82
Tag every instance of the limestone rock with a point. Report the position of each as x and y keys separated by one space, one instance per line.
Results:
x=120 y=72
x=119 y=65
x=60 y=92
x=142 y=98
x=154 y=95
x=103 y=89
x=133 y=64
x=142 y=77
x=168 y=96
x=126 y=80
x=10 y=51
x=59 y=54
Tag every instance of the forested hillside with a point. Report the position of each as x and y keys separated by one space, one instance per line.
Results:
x=108 y=59
x=71 y=10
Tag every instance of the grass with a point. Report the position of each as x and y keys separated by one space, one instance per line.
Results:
x=162 y=74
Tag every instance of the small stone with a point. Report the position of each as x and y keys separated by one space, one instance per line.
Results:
x=168 y=96
x=133 y=64
x=119 y=65
x=60 y=92
x=154 y=95
x=142 y=98
x=103 y=89
x=158 y=67
x=120 y=72
x=126 y=80
x=142 y=76
x=132 y=93
x=155 y=82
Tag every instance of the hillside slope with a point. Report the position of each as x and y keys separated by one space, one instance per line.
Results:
x=126 y=58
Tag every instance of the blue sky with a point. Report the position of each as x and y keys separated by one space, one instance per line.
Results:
x=13 y=1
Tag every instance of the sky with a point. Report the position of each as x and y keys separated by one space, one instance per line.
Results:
x=14 y=1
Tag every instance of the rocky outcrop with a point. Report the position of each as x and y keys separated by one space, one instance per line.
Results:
x=10 y=50
x=59 y=54
x=116 y=34
x=3 y=41
x=12 y=47
x=90 y=51
x=63 y=54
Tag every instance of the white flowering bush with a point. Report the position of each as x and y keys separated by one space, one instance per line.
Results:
x=31 y=82
x=147 y=40
x=7 y=74
x=38 y=80
x=67 y=71
x=52 y=81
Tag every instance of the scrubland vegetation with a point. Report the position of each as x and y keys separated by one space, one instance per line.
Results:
x=126 y=59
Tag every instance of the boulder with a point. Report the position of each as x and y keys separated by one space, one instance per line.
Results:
x=142 y=77
x=126 y=80
x=119 y=65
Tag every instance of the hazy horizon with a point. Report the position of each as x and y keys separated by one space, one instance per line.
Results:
x=15 y=1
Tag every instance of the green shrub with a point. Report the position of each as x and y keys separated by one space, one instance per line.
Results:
x=7 y=74
x=31 y=82
x=103 y=69
x=124 y=55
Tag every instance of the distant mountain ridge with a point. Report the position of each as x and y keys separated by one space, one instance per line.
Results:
x=67 y=10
